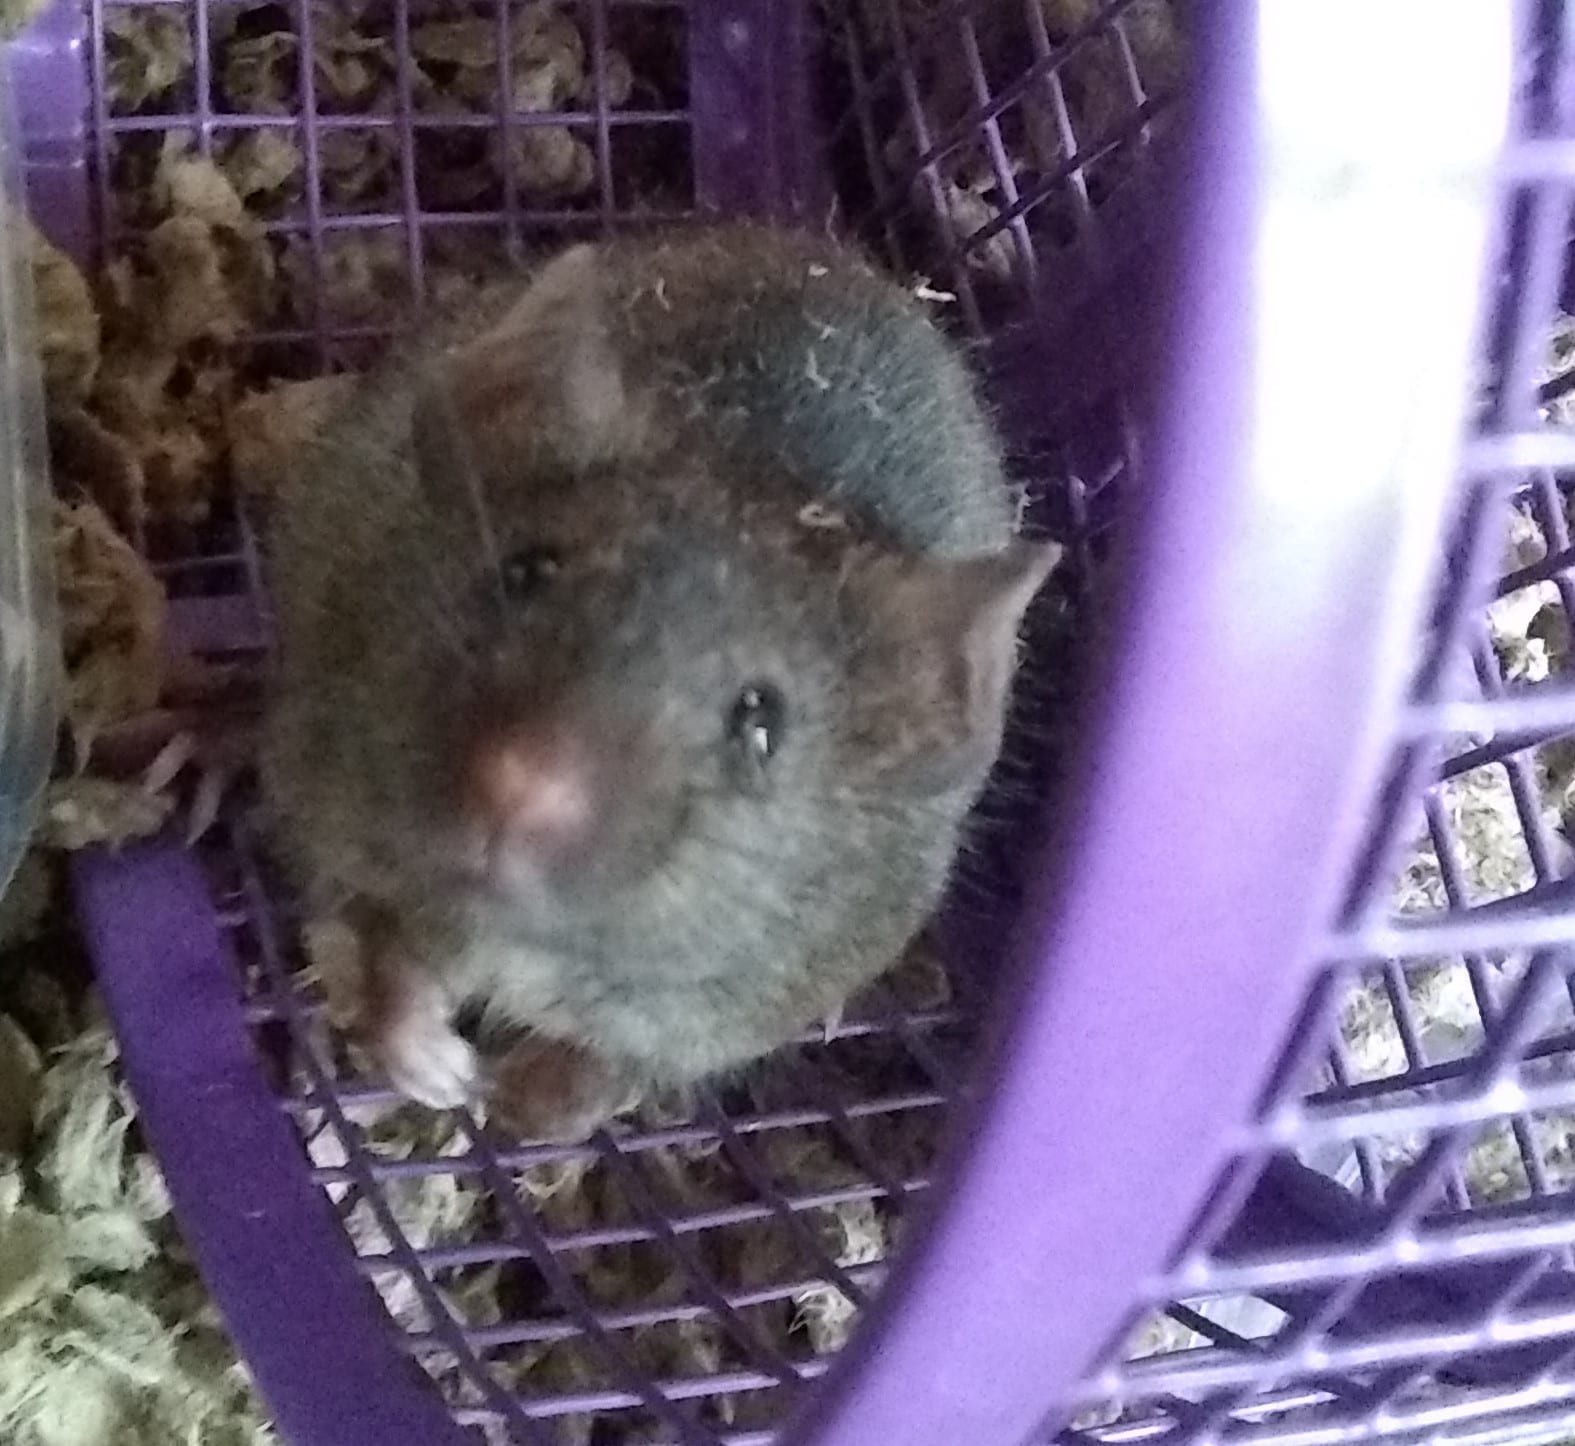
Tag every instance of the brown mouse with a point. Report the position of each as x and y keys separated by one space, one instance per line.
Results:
x=645 y=639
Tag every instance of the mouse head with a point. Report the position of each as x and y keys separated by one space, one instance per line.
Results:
x=678 y=671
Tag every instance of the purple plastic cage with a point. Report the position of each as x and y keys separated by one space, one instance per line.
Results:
x=1178 y=1203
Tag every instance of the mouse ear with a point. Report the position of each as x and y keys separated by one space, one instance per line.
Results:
x=546 y=372
x=948 y=630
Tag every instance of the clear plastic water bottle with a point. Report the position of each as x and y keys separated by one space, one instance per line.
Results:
x=29 y=621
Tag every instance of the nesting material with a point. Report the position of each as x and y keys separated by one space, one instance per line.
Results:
x=141 y=370
x=16 y=15
x=113 y=620
x=106 y=1335
x=268 y=426
x=67 y=318
x=176 y=305
x=364 y=277
x=148 y=53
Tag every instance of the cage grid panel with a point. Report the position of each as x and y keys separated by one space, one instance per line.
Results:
x=1441 y=1297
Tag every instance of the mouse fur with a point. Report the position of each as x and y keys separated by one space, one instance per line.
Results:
x=579 y=531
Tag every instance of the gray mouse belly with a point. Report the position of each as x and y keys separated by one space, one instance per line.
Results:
x=658 y=1017
x=669 y=1032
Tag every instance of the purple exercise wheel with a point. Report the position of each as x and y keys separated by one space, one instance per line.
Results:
x=1289 y=289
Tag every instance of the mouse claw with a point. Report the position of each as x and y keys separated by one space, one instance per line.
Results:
x=212 y=775
x=207 y=800
x=212 y=753
x=169 y=762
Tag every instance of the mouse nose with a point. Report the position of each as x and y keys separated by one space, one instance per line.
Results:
x=533 y=791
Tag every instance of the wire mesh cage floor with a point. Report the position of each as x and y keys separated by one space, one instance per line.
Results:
x=392 y=1278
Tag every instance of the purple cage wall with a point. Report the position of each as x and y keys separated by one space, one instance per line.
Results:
x=1178 y=1204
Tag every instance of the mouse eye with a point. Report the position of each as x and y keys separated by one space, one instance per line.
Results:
x=524 y=571
x=755 y=725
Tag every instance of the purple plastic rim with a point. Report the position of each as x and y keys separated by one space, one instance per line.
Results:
x=49 y=78
x=1152 y=924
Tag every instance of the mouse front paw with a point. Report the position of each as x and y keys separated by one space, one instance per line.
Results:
x=395 y=1013
x=545 y=1090
x=427 y=1061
